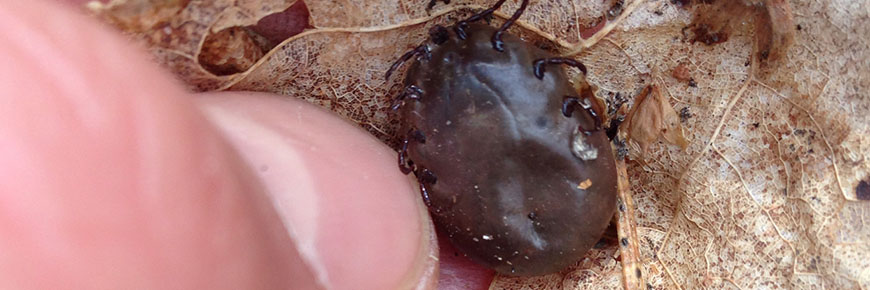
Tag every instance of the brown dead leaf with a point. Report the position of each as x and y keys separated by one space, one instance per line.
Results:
x=774 y=30
x=229 y=51
x=652 y=118
x=138 y=16
x=772 y=19
x=768 y=194
x=176 y=30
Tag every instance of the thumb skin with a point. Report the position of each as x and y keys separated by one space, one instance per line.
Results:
x=357 y=220
x=112 y=179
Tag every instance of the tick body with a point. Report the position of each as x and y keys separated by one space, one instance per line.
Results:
x=515 y=183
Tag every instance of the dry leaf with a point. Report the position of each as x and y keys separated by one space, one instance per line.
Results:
x=229 y=51
x=175 y=30
x=138 y=16
x=652 y=118
x=772 y=19
x=774 y=30
x=767 y=195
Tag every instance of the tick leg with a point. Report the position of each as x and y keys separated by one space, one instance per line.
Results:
x=422 y=49
x=411 y=92
x=425 y=193
x=403 y=154
x=462 y=25
x=540 y=63
x=424 y=177
x=497 y=44
x=568 y=104
x=432 y=4
x=405 y=165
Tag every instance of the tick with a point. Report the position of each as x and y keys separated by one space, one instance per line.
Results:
x=511 y=160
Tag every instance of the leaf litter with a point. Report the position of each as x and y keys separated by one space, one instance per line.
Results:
x=653 y=118
x=770 y=191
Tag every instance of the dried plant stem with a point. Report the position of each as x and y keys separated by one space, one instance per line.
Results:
x=632 y=276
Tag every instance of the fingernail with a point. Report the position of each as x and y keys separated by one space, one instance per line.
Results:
x=357 y=222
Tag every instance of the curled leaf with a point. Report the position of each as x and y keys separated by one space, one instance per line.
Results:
x=772 y=19
x=229 y=51
x=652 y=118
x=182 y=33
x=774 y=30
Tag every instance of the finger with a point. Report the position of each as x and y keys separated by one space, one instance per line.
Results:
x=356 y=219
x=111 y=179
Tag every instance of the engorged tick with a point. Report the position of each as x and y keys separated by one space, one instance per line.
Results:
x=499 y=150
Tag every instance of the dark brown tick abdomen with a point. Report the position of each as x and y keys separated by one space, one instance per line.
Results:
x=508 y=188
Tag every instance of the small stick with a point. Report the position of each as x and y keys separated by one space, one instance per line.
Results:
x=632 y=274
